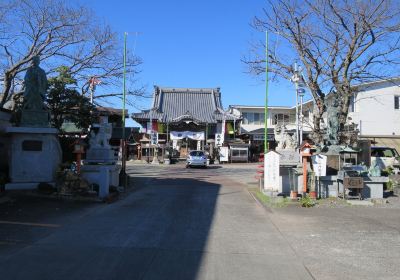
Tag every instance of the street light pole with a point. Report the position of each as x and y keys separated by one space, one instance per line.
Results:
x=295 y=80
x=266 y=99
x=301 y=116
x=298 y=81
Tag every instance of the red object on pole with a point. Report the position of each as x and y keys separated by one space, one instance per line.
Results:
x=304 y=174
x=78 y=150
x=305 y=151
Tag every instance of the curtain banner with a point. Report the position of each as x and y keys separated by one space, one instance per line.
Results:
x=175 y=135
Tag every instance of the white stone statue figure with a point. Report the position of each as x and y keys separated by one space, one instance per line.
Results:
x=93 y=143
x=284 y=139
x=102 y=137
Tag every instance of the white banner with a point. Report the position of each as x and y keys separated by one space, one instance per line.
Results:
x=149 y=127
x=219 y=139
x=319 y=164
x=154 y=138
x=176 y=135
x=224 y=154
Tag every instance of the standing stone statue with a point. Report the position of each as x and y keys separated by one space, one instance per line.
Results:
x=34 y=112
x=333 y=122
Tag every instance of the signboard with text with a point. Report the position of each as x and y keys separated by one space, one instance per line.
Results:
x=219 y=139
x=271 y=171
x=154 y=138
x=319 y=164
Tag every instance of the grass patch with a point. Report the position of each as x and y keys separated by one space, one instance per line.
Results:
x=307 y=202
x=274 y=202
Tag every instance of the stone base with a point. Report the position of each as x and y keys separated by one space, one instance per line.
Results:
x=100 y=155
x=329 y=187
x=35 y=118
x=102 y=175
x=35 y=154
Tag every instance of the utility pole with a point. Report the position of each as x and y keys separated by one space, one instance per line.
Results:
x=266 y=98
x=122 y=174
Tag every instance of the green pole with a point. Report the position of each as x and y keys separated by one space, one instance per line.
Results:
x=266 y=96
x=124 y=90
x=123 y=177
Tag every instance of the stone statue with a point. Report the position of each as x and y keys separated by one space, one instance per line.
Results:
x=93 y=142
x=333 y=122
x=101 y=138
x=285 y=141
x=34 y=112
x=35 y=86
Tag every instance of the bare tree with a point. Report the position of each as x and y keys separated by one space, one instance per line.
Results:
x=61 y=34
x=339 y=43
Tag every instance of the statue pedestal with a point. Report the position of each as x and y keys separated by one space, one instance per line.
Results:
x=34 y=118
x=100 y=155
x=103 y=175
x=100 y=165
x=288 y=157
x=34 y=156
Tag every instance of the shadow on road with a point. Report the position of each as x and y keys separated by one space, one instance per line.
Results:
x=159 y=231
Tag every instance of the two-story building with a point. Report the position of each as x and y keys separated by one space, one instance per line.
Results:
x=252 y=125
x=375 y=108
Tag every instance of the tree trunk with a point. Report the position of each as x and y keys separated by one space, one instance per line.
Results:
x=317 y=136
x=7 y=86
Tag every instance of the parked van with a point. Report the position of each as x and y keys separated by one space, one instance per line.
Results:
x=385 y=157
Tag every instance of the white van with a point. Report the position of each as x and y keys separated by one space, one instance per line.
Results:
x=385 y=157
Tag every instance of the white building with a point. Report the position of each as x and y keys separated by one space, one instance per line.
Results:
x=375 y=108
x=253 y=125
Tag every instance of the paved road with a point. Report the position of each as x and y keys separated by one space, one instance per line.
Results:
x=177 y=224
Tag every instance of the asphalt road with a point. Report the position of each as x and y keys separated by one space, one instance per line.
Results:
x=177 y=224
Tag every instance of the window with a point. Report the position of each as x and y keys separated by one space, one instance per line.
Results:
x=262 y=119
x=281 y=119
x=245 y=118
x=196 y=154
x=396 y=102
x=253 y=118
x=292 y=118
x=256 y=118
x=250 y=118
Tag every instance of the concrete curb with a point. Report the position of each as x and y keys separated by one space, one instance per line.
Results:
x=268 y=209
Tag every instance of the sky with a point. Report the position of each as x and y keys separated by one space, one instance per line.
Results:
x=194 y=44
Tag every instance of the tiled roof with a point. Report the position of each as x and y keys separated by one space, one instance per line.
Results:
x=200 y=105
x=107 y=111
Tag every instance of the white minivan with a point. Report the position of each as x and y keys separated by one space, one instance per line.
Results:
x=385 y=157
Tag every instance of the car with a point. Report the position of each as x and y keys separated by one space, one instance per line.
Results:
x=385 y=157
x=196 y=158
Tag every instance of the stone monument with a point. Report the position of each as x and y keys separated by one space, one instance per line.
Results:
x=35 y=151
x=34 y=113
x=332 y=130
x=332 y=149
x=100 y=166
x=271 y=172
x=289 y=156
x=99 y=150
x=287 y=145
